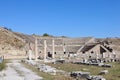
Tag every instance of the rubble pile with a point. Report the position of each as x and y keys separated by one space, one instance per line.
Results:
x=86 y=75
x=43 y=67
x=94 y=62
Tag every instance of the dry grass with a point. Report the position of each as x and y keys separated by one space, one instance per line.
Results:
x=47 y=76
x=114 y=72
x=9 y=40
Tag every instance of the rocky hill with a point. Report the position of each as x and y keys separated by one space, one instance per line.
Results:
x=8 y=40
x=14 y=43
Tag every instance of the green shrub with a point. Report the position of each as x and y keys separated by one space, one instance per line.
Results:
x=2 y=66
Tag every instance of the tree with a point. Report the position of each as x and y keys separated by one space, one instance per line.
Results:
x=64 y=36
x=45 y=34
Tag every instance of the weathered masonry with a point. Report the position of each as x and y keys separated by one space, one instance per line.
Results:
x=73 y=48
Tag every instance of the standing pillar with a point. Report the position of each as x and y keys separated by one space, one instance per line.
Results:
x=36 y=49
x=30 y=54
x=64 y=50
x=45 y=50
x=53 y=49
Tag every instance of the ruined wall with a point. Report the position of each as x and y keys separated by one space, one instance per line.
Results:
x=9 y=54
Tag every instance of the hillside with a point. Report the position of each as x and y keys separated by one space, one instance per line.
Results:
x=113 y=42
x=14 y=44
x=8 y=40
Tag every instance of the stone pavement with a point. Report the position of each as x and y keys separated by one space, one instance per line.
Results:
x=16 y=71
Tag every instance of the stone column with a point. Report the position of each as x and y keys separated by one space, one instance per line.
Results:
x=53 y=49
x=64 y=51
x=30 y=54
x=64 y=47
x=45 y=50
x=36 y=49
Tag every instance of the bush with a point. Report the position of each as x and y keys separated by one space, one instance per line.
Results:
x=7 y=28
x=2 y=66
x=45 y=34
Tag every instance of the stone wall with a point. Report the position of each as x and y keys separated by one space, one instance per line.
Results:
x=12 y=53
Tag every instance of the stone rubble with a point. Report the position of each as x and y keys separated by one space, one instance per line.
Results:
x=104 y=72
x=43 y=67
x=85 y=75
x=94 y=62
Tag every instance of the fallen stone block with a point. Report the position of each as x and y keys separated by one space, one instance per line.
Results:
x=104 y=72
x=80 y=74
x=97 y=78
x=107 y=65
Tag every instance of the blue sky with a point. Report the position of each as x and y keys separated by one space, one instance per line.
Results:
x=73 y=18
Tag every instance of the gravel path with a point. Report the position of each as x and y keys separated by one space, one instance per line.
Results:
x=16 y=71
